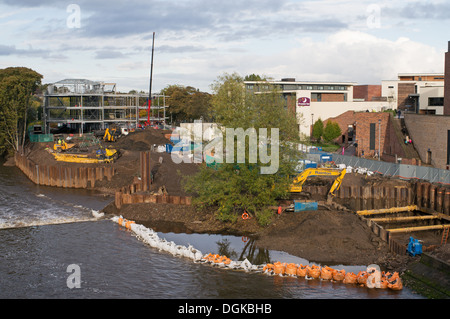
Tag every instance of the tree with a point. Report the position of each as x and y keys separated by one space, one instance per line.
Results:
x=254 y=77
x=187 y=103
x=318 y=130
x=17 y=85
x=238 y=185
x=331 y=131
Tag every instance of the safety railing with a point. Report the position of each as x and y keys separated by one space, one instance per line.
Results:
x=431 y=174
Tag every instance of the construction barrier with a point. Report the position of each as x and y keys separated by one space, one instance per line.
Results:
x=372 y=278
x=62 y=176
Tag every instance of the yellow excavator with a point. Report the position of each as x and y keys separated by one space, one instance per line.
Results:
x=299 y=180
x=61 y=146
x=110 y=135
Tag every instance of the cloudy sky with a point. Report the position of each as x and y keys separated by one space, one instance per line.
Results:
x=196 y=41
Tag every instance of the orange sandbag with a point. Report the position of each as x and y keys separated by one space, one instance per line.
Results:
x=396 y=284
x=326 y=274
x=279 y=268
x=313 y=271
x=362 y=277
x=350 y=278
x=291 y=269
x=268 y=267
x=128 y=224
x=339 y=275
x=383 y=283
x=301 y=271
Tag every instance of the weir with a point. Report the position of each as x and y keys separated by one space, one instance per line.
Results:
x=47 y=223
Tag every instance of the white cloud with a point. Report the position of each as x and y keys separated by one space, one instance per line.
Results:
x=196 y=41
x=354 y=56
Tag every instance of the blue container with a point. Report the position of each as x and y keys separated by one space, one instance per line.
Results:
x=414 y=247
x=326 y=158
x=169 y=148
x=175 y=139
x=305 y=206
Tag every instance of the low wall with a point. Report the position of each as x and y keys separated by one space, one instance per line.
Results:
x=60 y=176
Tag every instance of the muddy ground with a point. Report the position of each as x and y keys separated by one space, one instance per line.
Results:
x=325 y=236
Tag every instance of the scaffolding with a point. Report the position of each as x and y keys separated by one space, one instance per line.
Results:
x=85 y=106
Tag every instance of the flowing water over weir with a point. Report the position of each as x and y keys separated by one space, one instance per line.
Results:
x=45 y=230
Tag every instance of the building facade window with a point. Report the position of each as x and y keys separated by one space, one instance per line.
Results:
x=435 y=101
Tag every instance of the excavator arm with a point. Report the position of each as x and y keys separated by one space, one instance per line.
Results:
x=297 y=184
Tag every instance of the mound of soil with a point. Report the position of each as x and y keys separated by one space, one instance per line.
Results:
x=169 y=174
x=143 y=140
x=324 y=236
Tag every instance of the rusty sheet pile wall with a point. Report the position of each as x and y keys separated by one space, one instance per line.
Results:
x=62 y=176
x=133 y=194
x=427 y=196
x=138 y=191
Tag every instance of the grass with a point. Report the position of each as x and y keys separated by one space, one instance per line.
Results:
x=327 y=147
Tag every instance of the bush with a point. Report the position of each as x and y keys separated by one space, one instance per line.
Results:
x=332 y=131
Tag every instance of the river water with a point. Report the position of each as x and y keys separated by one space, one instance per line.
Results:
x=45 y=232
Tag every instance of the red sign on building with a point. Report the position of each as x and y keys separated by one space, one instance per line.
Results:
x=304 y=101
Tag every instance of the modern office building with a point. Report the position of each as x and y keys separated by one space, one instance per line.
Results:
x=420 y=93
x=313 y=100
x=84 y=105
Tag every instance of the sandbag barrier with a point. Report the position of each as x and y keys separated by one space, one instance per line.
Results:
x=372 y=278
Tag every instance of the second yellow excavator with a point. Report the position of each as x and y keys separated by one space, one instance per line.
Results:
x=299 y=180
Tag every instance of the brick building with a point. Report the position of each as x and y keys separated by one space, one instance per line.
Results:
x=367 y=92
x=447 y=82
x=431 y=137
x=373 y=132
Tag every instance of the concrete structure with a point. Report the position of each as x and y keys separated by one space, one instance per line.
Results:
x=85 y=105
x=313 y=100
x=420 y=93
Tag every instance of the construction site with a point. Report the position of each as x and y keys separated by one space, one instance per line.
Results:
x=351 y=216
x=80 y=105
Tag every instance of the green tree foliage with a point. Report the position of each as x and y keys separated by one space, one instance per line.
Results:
x=254 y=77
x=187 y=103
x=235 y=187
x=331 y=131
x=17 y=85
x=318 y=130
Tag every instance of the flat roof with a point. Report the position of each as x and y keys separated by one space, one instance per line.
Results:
x=302 y=82
x=420 y=74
